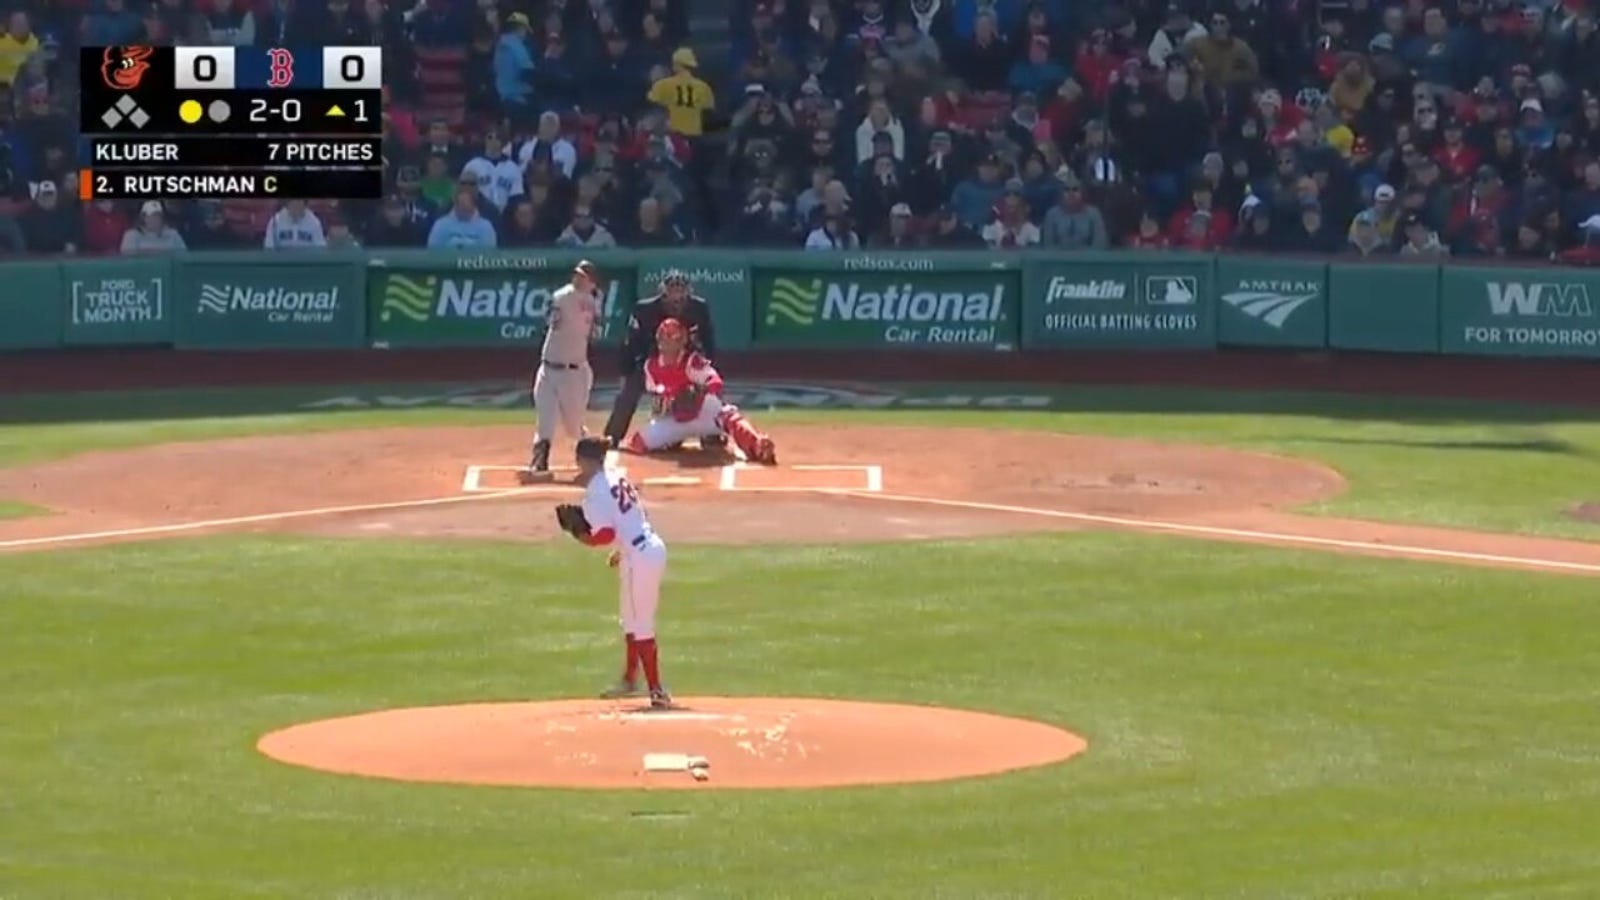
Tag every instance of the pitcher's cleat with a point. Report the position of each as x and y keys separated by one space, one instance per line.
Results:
x=660 y=699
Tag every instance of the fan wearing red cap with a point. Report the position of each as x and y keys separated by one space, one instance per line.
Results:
x=562 y=385
x=688 y=401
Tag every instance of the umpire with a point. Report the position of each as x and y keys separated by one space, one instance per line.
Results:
x=674 y=301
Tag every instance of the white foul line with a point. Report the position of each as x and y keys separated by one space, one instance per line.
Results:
x=252 y=520
x=1238 y=533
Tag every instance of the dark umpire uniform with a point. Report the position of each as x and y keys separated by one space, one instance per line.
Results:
x=640 y=345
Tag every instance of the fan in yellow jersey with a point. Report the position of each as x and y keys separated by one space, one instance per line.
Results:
x=685 y=97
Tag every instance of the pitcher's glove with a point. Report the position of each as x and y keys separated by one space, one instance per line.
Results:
x=686 y=406
x=571 y=519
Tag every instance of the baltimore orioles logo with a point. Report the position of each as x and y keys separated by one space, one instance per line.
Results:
x=123 y=68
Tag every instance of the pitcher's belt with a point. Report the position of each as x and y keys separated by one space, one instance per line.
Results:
x=556 y=365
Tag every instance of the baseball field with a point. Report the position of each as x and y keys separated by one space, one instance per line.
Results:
x=310 y=641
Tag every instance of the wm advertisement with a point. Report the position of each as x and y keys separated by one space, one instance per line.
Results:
x=887 y=309
x=414 y=307
x=1520 y=312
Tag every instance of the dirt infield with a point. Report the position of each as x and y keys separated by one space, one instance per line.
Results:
x=709 y=742
x=709 y=501
x=835 y=484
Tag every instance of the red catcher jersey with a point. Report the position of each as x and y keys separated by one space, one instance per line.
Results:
x=668 y=379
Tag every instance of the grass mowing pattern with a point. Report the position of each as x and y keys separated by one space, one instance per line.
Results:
x=1262 y=723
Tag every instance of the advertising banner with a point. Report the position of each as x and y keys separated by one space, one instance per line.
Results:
x=1519 y=312
x=1271 y=303
x=30 y=306
x=1155 y=301
x=433 y=301
x=122 y=300
x=294 y=299
x=801 y=307
x=1392 y=307
x=721 y=277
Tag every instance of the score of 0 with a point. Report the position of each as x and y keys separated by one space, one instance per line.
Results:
x=215 y=68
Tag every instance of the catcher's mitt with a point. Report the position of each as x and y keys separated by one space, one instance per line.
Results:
x=571 y=519
x=686 y=406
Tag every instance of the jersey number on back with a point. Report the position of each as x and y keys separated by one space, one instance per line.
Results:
x=625 y=496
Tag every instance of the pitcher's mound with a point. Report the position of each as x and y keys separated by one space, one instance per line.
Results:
x=708 y=742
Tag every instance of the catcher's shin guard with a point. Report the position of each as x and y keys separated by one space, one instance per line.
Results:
x=756 y=446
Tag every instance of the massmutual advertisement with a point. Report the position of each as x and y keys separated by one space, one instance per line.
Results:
x=948 y=309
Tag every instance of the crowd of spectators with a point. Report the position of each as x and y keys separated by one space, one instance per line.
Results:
x=1468 y=128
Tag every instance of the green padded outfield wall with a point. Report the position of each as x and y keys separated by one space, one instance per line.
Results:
x=31 y=305
x=863 y=300
x=118 y=300
x=1519 y=312
x=1266 y=302
x=420 y=298
x=1036 y=300
x=1392 y=307
x=1120 y=300
x=292 y=298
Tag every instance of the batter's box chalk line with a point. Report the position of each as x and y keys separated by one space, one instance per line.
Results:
x=472 y=481
x=872 y=476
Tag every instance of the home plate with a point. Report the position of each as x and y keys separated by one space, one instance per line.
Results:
x=672 y=481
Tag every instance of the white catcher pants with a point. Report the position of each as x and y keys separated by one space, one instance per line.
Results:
x=663 y=430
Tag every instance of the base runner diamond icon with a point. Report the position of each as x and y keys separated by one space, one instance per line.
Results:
x=126 y=110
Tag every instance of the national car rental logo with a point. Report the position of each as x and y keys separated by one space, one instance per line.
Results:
x=213 y=299
x=796 y=301
x=408 y=298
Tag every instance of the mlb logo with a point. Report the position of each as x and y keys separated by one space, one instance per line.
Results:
x=1171 y=290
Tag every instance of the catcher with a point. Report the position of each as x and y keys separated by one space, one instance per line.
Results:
x=688 y=402
x=613 y=516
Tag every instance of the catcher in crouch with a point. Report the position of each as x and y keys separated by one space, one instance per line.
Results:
x=688 y=402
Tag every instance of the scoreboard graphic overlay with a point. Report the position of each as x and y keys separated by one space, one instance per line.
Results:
x=220 y=122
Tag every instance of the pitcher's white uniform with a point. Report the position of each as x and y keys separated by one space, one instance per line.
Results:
x=561 y=388
x=616 y=519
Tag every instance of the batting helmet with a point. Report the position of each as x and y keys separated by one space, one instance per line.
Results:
x=674 y=278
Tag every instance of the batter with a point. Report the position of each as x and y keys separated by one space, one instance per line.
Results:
x=612 y=515
x=688 y=402
x=562 y=385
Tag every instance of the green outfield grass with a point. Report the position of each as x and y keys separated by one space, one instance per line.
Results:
x=10 y=509
x=1262 y=723
x=1470 y=465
